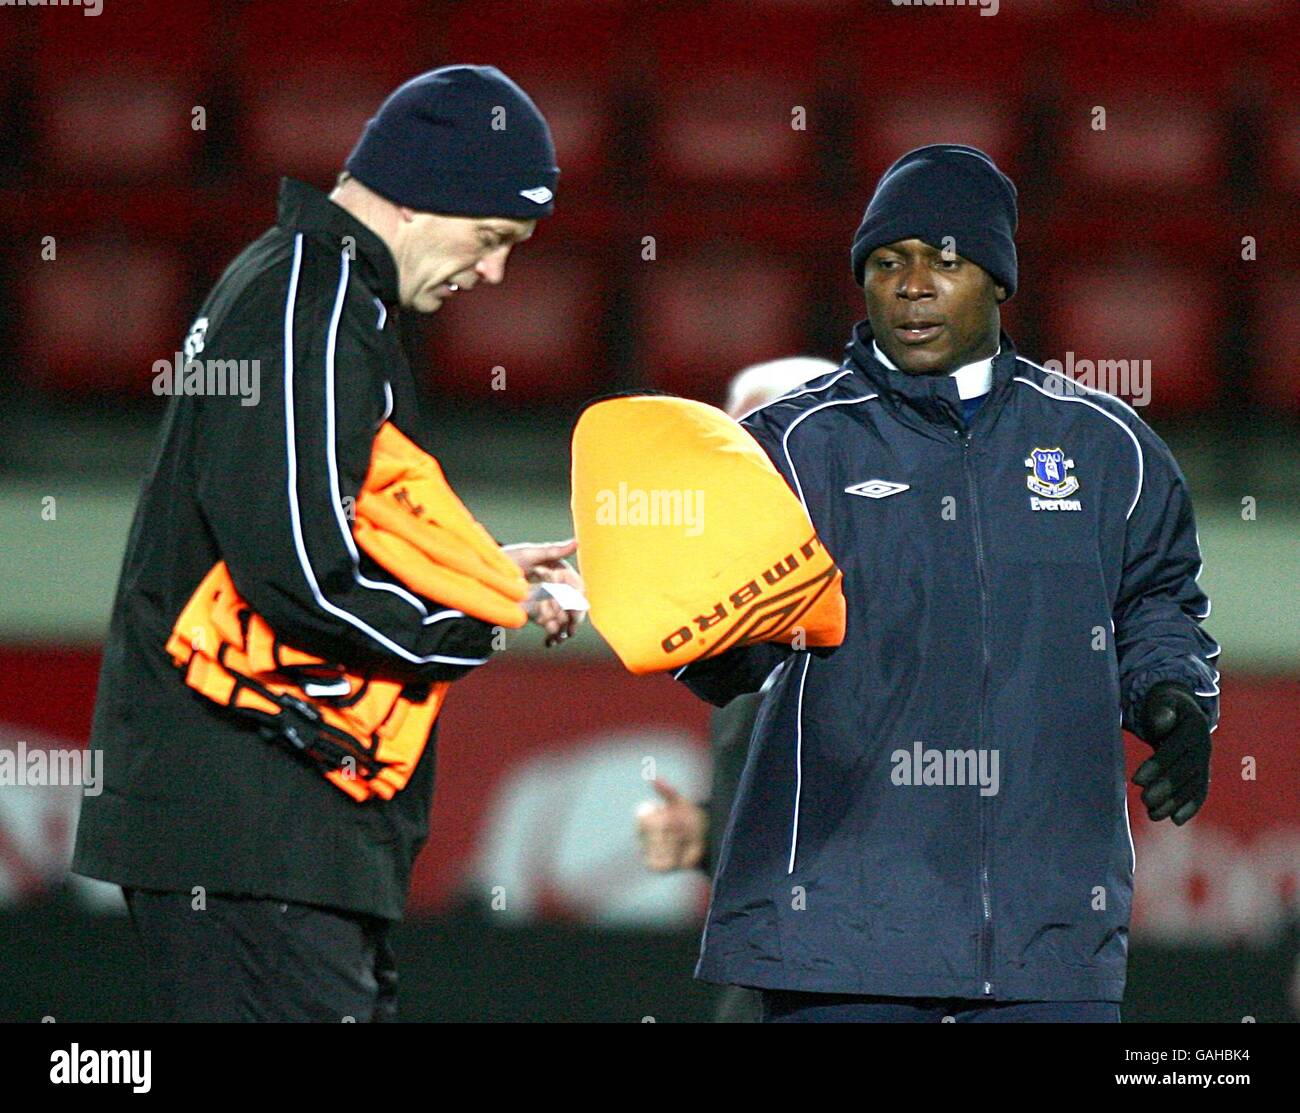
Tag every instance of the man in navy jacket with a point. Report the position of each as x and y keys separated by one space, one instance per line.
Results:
x=932 y=821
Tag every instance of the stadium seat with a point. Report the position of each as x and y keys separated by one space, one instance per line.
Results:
x=732 y=284
x=1137 y=311
x=535 y=339
x=115 y=94
x=716 y=308
x=1280 y=126
x=1260 y=12
x=962 y=99
x=97 y=324
x=114 y=299
x=728 y=85
x=1165 y=128
x=1136 y=293
x=311 y=73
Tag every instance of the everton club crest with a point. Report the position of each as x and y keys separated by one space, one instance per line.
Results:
x=1051 y=480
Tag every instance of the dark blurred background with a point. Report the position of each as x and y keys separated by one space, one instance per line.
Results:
x=716 y=158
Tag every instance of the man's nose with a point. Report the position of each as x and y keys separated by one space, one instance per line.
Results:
x=492 y=268
x=915 y=282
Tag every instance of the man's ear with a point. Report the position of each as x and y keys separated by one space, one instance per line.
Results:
x=408 y=215
x=1000 y=292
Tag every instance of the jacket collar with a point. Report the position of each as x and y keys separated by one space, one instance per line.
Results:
x=973 y=379
x=304 y=208
x=936 y=398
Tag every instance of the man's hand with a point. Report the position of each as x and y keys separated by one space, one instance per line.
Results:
x=1176 y=778
x=545 y=564
x=672 y=831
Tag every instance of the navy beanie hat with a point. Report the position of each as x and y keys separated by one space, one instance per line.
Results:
x=460 y=140
x=944 y=190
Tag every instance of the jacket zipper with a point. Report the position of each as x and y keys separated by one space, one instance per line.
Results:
x=986 y=924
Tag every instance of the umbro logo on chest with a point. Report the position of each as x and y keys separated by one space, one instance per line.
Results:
x=877 y=489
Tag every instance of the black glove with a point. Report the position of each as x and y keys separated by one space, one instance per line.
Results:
x=1176 y=778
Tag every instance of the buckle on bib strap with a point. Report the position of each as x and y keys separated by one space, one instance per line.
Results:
x=300 y=727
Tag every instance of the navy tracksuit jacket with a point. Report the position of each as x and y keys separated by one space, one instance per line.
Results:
x=1014 y=589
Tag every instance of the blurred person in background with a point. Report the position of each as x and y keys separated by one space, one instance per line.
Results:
x=932 y=821
x=680 y=834
x=258 y=889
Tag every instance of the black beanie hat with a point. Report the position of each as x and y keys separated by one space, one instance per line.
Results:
x=461 y=140
x=944 y=190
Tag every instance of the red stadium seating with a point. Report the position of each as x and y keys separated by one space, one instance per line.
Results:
x=535 y=339
x=960 y=94
x=1140 y=313
x=1280 y=101
x=1165 y=128
x=735 y=127
x=114 y=94
x=709 y=315
x=671 y=120
x=116 y=296
x=1235 y=12
x=728 y=84
x=311 y=73
x=737 y=284
x=726 y=290
x=1135 y=290
x=99 y=321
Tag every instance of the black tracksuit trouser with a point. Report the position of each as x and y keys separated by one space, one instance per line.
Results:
x=251 y=959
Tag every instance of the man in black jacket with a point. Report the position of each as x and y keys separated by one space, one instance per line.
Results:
x=261 y=891
x=932 y=820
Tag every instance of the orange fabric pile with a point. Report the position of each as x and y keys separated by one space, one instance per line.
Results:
x=368 y=734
